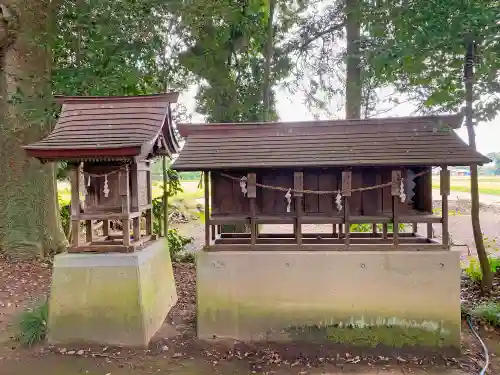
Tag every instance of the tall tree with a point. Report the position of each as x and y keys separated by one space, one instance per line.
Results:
x=420 y=50
x=226 y=47
x=81 y=48
x=353 y=92
x=29 y=219
x=470 y=46
x=268 y=53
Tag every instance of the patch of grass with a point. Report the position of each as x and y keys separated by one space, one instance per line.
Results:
x=487 y=184
x=472 y=267
x=488 y=312
x=33 y=325
x=185 y=257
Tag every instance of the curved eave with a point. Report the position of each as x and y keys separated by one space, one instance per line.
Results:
x=72 y=154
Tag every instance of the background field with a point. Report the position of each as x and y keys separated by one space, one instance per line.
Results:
x=487 y=184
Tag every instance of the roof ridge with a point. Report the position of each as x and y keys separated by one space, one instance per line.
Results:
x=171 y=97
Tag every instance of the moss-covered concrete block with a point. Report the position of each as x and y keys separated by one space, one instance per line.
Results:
x=371 y=298
x=111 y=299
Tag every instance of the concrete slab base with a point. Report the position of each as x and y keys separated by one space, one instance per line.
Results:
x=373 y=298
x=111 y=299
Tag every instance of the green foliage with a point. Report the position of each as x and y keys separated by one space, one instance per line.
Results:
x=495 y=156
x=420 y=50
x=186 y=257
x=488 y=312
x=177 y=242
x=190 y=176
x=366 y=228
x=64 y=212
x=226 y=41
x=122 y=47
x=473 y=269
x=33 y=325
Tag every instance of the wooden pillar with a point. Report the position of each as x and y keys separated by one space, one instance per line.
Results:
x=346 y=193
x=445 y=191
x=384 y=231
x=395 y=191
x=165 y=196
x=298 y=184
x=75 y=205
x=206 y=181
x=430 y=233
x=414 y=228
x=123 y=177
x=88 y=231
x=252 y=195
x=134 y=200
x=149 y=211
x=105 y=228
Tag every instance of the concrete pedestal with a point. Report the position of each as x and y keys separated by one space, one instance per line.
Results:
x=373 y=298
x=111 y=299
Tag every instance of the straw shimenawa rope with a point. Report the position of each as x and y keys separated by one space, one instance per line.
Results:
x=319 y=192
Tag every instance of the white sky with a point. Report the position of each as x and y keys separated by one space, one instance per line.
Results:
x=291 y=108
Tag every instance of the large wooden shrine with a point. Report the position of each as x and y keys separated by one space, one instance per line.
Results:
x=379 y=286
x=108 y=143
x=375 y=171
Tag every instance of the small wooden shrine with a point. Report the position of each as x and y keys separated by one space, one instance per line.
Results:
x=108 y=143
x=370 y=171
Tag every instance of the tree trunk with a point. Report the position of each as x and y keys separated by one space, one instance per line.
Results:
x=29 y=221
x=266 y=87
x=353 y=66
x=487 y=280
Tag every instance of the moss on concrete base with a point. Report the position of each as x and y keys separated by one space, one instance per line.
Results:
x=111 y=299
x=395 y=299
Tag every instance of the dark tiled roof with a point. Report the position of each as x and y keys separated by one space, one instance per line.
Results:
x=425 y=141
x=104 y=125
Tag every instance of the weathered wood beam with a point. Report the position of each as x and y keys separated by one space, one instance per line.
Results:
x=395 y=192
x=298 y=184
x=252 y=195
x=75 y=178
x=346 y=193
x=165 y=196
x=445 y=191
x=206 y=182
x=123 y=180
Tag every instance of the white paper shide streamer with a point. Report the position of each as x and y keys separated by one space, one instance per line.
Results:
x=402 y=194
x=105 y=190
x=288 y=197
x=243 y=185
x=85 y=187
x=338 y=201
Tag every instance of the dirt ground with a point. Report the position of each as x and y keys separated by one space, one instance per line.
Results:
x=175 y=349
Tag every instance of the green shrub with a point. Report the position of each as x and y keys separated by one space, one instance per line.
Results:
x=33 y=325
x=488 y=312
x=177 y=242
x=365 y=228
x=185 y=257
x=472 y=267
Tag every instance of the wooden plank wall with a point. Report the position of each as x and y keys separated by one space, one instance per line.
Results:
x=228 y=199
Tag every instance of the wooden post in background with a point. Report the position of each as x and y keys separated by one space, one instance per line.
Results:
x=75 y=205
x=252 y=195
x=346 y=193
x=134 y=200
x=123 y=177
x=430 y=233
x=206 y=181
x=445 y=191
x=165 y=195
x=298 y=184
x=395 y=192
